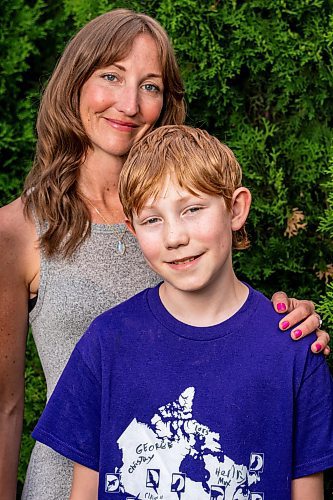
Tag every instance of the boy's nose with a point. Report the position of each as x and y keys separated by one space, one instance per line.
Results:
x=175 y=236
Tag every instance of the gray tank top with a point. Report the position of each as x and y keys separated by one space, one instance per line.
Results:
x=71 y=294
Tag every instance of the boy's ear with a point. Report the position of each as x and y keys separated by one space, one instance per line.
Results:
x=130 y=226
x=241 y=202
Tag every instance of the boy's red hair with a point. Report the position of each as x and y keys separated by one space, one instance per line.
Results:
x=198 y=161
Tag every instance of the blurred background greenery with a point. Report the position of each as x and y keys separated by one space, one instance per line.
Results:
x=259 y=75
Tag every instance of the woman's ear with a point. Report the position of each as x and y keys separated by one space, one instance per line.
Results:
x=241 y=202
x=130 y=227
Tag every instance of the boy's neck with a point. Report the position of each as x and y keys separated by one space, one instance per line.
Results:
x=206 y=307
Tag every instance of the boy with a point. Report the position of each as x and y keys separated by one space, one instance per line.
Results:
x=157 y=401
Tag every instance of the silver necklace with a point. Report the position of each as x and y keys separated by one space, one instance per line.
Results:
x=121 y=247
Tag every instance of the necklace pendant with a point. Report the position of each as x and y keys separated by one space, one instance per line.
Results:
x=121 y=247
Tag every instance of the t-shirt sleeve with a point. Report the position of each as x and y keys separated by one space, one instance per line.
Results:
x=70 y=423
x=313 y=426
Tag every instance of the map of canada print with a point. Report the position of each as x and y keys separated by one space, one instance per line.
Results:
x=176 y=457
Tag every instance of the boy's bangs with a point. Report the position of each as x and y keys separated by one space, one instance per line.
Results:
x=189 y=175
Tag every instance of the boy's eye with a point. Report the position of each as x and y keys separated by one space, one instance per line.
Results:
x=151 y=220
x=192 y=210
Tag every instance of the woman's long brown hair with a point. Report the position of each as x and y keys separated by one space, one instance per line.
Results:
x=51 y=187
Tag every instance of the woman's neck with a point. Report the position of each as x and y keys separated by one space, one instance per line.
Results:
x=98 y=183
x=99 y=174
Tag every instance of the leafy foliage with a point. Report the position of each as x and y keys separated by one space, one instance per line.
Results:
x=325 y=306
x=30 y=44
x=258 y=75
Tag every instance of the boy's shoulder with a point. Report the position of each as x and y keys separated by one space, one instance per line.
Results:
x=284 y=354
x=267 y=320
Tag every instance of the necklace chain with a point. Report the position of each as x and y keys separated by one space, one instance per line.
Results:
x=121 y=247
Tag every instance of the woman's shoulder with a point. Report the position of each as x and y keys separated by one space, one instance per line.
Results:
x=15 y=226
x=18 y=239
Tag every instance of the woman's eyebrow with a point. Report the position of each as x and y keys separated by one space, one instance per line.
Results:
x=149 y=75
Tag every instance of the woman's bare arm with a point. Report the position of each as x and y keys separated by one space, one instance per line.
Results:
x=14 y=292
x=85 y=483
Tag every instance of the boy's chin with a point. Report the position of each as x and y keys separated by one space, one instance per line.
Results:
x=185 y=287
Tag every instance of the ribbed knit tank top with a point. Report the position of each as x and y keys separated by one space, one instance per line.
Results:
x=72 y=292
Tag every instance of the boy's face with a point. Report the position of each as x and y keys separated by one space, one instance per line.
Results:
x=186 y=238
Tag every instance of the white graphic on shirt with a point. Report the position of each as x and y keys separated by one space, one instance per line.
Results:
x=178 y=458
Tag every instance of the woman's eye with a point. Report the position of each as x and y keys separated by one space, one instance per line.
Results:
x=151 y=87
x=110 y=77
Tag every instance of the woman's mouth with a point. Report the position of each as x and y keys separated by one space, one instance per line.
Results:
x=121 y=125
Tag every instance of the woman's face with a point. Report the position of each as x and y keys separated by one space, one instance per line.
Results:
x=120 y=103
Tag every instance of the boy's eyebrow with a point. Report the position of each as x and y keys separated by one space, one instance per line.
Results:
x=147 y=206
x=185 y=197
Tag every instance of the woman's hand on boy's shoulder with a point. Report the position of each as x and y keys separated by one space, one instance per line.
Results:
x=302 y=317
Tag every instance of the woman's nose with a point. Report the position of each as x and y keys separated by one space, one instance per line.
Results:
x=128 y=101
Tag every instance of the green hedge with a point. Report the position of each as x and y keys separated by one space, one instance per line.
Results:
x=325 y=306
x=258 y=74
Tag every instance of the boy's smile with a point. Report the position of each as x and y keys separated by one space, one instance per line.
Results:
x=184 y=261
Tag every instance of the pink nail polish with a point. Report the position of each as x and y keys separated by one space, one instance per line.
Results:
x=285 y=324
x=318 y=347
x=297 y=334
x=281 y=306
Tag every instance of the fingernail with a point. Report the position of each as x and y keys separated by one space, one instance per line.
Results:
x=318 y=347
x=285 y=324
x=297 y=334
x=281 y=306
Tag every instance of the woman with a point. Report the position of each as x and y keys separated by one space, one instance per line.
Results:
x=64 y=244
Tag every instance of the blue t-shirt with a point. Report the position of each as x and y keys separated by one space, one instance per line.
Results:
x=164 y=410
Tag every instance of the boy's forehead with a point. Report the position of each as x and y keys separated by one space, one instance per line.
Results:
x=171 y=185
x=171 y=192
